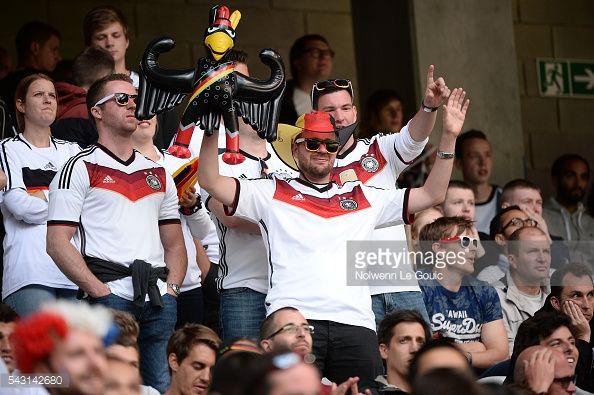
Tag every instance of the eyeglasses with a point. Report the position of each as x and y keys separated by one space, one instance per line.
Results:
x=313 y=145
x=337 y=84
x=520 y=223
x=121 y=99
x=318 y=53
x=465 y=241
x=565 y=381
x=293 y=328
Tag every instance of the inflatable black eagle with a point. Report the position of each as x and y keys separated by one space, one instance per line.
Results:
x=216 y=90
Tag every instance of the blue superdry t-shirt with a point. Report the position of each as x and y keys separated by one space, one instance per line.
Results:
x=460 y=315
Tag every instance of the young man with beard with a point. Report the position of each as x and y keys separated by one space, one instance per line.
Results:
x=305 y=269
x=110 y=194
x=377 y=162
x=286 y=328
x=565 y=213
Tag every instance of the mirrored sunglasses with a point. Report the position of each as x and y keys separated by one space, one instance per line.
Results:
x=121 y=99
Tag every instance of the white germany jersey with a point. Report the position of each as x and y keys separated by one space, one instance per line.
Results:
x=243 y=261
x=378 y=162
x=29 y=169
x=192 y=278
x=305 y=231
x=117 y=207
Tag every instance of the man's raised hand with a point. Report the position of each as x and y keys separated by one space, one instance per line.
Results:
x=454 y=112
x=436 y=91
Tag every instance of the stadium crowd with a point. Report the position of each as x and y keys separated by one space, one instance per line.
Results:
x=333 y=260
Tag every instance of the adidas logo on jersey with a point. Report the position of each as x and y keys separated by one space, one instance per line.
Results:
x=49 y=166
x=242 y=176
x=298 y=197
x=108 y=180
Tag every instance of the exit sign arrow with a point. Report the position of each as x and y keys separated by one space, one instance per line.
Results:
x=588 y=77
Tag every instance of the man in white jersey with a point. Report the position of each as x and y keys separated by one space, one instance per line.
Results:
x=195 y=224
x=243 y=270
x=122 y=210
x=378 y=162
x=305 y=223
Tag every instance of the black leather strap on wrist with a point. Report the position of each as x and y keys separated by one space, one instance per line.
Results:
x=193 y=209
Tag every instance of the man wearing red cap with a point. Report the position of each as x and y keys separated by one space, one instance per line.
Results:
x=305 y=223
x=378 y=162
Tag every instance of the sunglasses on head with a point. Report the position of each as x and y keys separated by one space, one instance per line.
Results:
x=465 y=241
x=121 y=99
x=313 y=145
x=337 y=84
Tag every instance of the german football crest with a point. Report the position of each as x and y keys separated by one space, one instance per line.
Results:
x=348 y=204
x=369 y=163
x=153 y=182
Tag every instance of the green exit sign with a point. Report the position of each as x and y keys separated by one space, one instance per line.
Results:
x=565 y=78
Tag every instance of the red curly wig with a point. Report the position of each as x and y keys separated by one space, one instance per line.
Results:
x=35 y=337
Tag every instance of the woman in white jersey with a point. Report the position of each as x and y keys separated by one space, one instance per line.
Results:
x=30 y=161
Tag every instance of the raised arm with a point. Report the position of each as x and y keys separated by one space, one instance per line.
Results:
x=434 y=190
x=224 y=189
x=436 y=92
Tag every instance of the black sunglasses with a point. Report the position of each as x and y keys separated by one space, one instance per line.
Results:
x=121 y=99
x=313 y=145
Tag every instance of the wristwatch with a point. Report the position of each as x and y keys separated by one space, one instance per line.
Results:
x=445 y=155
x=427 y=108
x=175 y=288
